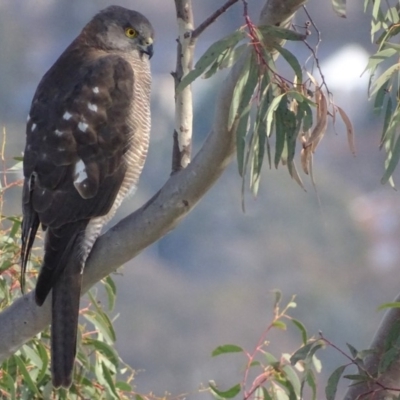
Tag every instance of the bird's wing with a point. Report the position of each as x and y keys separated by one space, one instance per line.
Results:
x=76 y=137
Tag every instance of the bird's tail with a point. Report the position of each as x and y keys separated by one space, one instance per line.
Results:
x=62 y=273
x=64 y=324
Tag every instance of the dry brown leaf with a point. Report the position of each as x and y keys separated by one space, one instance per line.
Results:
x=322 y=121
x=295 y=175
x=349 y=128
x=305 y=158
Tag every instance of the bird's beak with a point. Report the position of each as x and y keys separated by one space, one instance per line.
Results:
x=147 y=47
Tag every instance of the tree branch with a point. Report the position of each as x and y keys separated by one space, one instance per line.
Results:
x=391 y=377
x=212 y=18
x=182 y=147
x=23 y=319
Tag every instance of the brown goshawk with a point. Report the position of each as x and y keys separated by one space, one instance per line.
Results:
x=86 y=142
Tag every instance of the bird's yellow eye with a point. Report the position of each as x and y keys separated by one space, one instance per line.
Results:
x=130 y=33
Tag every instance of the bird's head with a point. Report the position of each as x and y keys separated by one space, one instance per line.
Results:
x=120 y=29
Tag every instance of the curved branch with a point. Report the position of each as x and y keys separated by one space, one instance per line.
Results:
x=391 y=377
x=23 y=319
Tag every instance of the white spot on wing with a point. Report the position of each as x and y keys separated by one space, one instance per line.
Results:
x=28 y=118
x=92 y=107
x=96 y=90
x=58 y=132
x=33 y=127
x=67 y=115
x=80 y=172
x=82 y=126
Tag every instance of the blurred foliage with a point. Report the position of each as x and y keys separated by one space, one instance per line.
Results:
x=99 y=373
x=264 y=102
x=384 y=86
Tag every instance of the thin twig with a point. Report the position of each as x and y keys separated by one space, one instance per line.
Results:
x=204 y=25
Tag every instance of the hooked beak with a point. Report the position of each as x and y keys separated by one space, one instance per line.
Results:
x=147 y=47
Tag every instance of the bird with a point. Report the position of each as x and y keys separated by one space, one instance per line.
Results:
x=87 y=137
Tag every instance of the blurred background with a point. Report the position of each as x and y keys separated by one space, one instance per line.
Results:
x=210 y=281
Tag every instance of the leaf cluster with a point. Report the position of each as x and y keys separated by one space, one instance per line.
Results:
x=269 y=113
x=100 y=372
x=384 y=86
x=277 y=378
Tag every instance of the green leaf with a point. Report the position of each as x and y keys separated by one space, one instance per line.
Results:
x=232 y=56
x=310 y=379
x=241 y=134
x=8 y=383
x=225 y=349
x=110 y=382
x=301 y=353
x=340 y=7
x=32 y=355
x=306 y=352
x=384 y=306
x=208 y=58
x=280 y=33
x=44 y=356
x=228 y=394
x=279 y=324
x=353 y=350
x=111 y=291
x=384 y=78
x=291 y=60
x=103 y=324
x=262 y=394
x=378 y=58
x=271 y=359
x=393 y=160
x=105 y=349
x=301 y=328
x=243 y=92
x=123 y=386
x=237 y=93
x=271 y=112
x=333 y=380
x=381 y=94
x=387 y=359
x=27 y=377
x=283 y=122
x=357 y=377
x=293 y=378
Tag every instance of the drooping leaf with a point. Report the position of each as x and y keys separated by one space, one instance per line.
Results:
x=301 y=353
x=384 y=306
x=353 y=350
x=232 y=56
x=293 y=378
x=208 y=58
x=393 y=160
x=27 y=377
x=225 y=349
x=333 y=381
x=340 y=7
x=384 y=78
x=386 y=121
x=349 y=128
x=387 y=359
x=110 y=382
x=107 y=350
x=311 y=381
x=279 y=324
x=291 y=60
x=301 y=328
x=228 y=394
x=280 y=33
